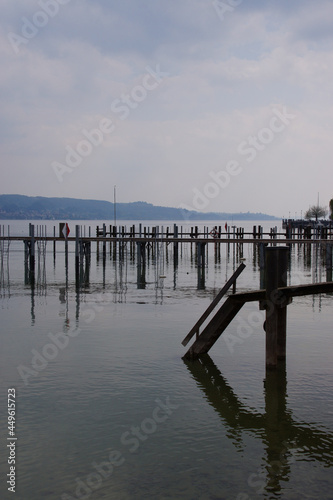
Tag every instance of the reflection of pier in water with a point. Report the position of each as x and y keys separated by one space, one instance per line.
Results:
x=282 y=436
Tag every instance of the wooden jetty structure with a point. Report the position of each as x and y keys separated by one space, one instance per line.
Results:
x=144 y=241
x=272 y=248
x=274 y=299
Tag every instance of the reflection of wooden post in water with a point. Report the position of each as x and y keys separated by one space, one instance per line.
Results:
x=276 y=428
x=276 y=442
x=201 y=278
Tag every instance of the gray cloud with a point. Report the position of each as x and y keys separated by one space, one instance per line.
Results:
x=224 y=78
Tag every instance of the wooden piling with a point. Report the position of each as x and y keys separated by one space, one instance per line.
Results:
x=104 y=243
x=175 y=246
x=262 y=248
x=141 y=265
x=77 y=254
x=329 y=262
x=201 y=255
x=32 y=251
x=276 y=306
x=54 y=243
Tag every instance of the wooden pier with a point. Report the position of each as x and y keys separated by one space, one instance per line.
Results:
x=274 y=299
x=271 y=252
x=144 y=241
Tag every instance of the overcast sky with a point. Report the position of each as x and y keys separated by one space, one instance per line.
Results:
x=210 y=105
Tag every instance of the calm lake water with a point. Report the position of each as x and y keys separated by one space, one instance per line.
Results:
x=107 y=409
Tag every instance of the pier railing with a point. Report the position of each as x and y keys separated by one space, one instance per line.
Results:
x=168 y=233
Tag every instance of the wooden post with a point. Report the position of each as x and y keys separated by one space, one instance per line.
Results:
x=66 y=259
x=276 y=307
x=262 y=248
x=32 y=252
x=175 y=245
x=201 y=263
x=104 y=243
x=77 y=254
x=97 y=243
x=201 y=278
x=328 y=262
x=141 y=265
x=54 y=243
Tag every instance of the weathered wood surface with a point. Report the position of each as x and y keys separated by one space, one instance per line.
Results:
x=213 y=304
x=214 y=329
x=287 y=292
x=276 y=268
x=184 y=239
x=235 y=302
x=300 y=290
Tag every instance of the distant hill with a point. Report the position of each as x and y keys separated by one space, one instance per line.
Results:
x=13 y=206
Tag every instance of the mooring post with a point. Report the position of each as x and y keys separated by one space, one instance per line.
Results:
x=66 y=256
x=328 y=261
x=276 y=306
x=32 y=250
x=138 y=254
x=175 y=245
x=262 y=254
x=104 y=243
x=77 y=254
x=54 y=243
x=97 y=243
x=201 y=265
x=201 y=257
x=141 y=265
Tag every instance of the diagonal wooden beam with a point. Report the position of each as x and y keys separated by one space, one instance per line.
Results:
x=214 y=303
x=215 y=328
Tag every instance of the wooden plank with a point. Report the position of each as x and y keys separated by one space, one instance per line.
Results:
x=249 y=296
x=312 y=289
x=184 y=239
x=287 y=291
x=214 y=303
x=214 y=329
